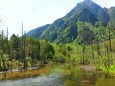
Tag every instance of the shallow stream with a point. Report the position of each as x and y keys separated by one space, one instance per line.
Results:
x=65 y=75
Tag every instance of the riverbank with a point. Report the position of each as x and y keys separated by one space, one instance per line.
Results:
x=110 y=70
x=25 y=73
x=64 y=75
x=50 y=75
x=37 y=71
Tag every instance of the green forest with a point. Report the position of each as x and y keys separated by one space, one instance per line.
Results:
x=73 y=48
x=77 y=49
x=95 y=44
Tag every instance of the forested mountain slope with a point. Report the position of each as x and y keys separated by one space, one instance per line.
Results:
x=64 y=30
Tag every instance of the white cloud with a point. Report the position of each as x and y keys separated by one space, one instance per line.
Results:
x=35 y=13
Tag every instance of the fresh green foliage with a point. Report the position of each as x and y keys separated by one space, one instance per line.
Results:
x=65 y=30
x=84 y=36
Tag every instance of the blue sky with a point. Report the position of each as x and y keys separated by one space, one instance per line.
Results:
x=36 y=13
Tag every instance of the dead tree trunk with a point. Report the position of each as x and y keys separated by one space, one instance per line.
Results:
x=83 y=53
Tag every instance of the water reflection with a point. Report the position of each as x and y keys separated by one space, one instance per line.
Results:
x=81 y=77
x=63 y=75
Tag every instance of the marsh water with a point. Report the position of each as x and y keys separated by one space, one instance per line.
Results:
x=65 y=75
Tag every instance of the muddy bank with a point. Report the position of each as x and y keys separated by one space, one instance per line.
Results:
x=88 y=67
x=50 y=76
x=25 y=74
x=65 y=75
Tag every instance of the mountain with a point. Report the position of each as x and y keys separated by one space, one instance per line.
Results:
x=112 y=13
x=96 y=10
x=38 y=31
x=64 y=30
